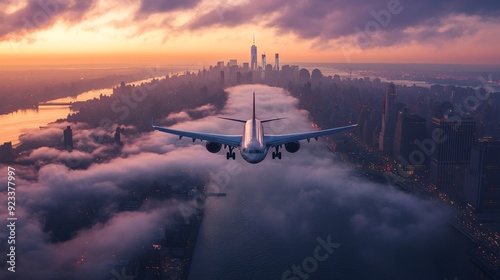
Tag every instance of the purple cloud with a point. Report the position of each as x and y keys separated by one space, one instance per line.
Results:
x=161 y=6
x=330 y=20
x=40 y=15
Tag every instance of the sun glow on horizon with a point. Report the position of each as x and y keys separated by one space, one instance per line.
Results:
x=125 y=36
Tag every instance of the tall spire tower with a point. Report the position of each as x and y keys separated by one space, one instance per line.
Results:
x=253 y=55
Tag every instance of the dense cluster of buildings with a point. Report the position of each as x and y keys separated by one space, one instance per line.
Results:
x=439 y=139
x=169 y=254
x=442 y=137
x=457 y=161
x=446 y=136
x=231 y=73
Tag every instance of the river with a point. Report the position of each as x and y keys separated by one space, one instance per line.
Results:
x=17 y=123
x=279 y=212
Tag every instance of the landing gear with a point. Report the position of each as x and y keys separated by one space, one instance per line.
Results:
x=231 y=154
x=277 y=154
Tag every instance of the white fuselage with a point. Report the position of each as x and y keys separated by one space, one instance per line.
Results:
x=252 y=148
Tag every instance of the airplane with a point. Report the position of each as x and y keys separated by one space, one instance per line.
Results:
x=253 y=144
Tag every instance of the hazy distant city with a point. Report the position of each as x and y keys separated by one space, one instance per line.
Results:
x=438 y=143
x=93 y=191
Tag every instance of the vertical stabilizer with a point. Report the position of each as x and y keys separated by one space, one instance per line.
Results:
x=253 y=106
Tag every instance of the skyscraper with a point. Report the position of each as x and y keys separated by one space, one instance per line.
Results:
x=482 y=187
x=263 y=66
x=220 y=65
x=253 y=56
x=277 y=62
x=152 y=260
x=362 y=119
x=389 y=118
x=409 y=128
x=68 y=139
x=451 y=156
x=221 y=79
x=245 y=67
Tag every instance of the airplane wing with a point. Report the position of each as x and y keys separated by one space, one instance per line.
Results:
x=276 y=140
x=230 y=140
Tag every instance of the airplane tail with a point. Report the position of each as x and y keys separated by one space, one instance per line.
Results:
x=267 y=120
x=253 y=118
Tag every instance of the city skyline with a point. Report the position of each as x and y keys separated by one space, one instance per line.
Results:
x=67 y=32
x=410 y=190
x=104 y=170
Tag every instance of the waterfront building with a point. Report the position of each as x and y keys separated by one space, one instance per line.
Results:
x=389 y=118
x=451 y=152
x=482 y=187
x=410 y=128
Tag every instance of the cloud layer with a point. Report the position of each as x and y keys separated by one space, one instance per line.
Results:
x=293 y=200
x=277 y=208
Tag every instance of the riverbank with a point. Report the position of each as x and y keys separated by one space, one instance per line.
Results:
x=21 y=120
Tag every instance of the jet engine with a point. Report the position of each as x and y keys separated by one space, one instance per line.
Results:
x=213 y=147
x=292 y=147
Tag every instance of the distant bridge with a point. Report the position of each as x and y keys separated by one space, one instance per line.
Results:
x=55 y=103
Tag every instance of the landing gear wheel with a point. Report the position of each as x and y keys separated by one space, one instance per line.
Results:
x=231 y=154
x=277 y=154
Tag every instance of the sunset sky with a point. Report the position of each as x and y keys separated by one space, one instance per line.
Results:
x=200 y=31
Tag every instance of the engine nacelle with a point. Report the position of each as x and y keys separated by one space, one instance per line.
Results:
x=213 y=147
x=292 y=147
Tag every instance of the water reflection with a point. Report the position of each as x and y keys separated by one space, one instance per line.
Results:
x=16 y=123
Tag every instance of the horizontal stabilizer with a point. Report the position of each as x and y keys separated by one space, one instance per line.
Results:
x=234 y=120
x=273 y=119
